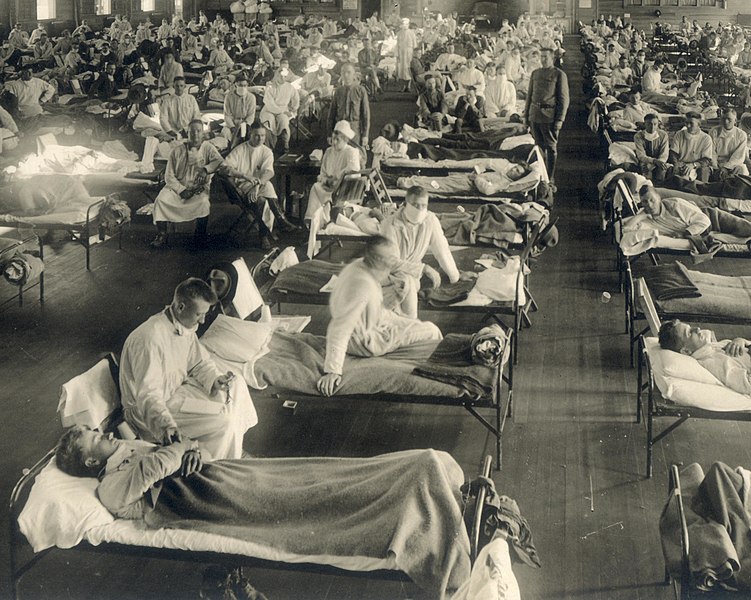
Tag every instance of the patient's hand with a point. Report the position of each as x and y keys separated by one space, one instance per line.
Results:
x=736 y=347
x=433 y=275
x=329 y=383
x=171 y=435
x=191 y=462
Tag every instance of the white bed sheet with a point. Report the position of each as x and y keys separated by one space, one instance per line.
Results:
x=134 y=533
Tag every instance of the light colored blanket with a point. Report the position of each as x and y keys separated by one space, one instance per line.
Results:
x=405 y=505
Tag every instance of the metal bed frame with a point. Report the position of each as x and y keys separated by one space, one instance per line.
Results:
x=657 y=406
x=682 y=583
x=17 y=542
x=81 y=232
x=520 y=312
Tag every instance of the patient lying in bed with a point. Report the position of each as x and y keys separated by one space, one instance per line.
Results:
x=407 y=505
x=728 y=360
x=43 y=195
x=505 y=177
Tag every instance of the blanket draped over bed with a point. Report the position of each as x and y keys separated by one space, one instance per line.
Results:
x=406 y=505
x=719 y=527
x=718 y=296
x=490 y=224
x=295 y=363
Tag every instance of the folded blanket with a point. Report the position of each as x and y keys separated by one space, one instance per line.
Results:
x=23 y=269
x=448 y=293
x=453 y=362
x=718 y=527
x=667 y=282
x=406 y=506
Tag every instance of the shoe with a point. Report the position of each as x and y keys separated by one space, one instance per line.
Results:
x=284 y=225
x=159 y=241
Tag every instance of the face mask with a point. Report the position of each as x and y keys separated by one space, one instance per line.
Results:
x=651 y=136
x=242 y=91
x=414 y=215
x=490 y=77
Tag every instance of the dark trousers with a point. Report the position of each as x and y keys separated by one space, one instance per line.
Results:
x=546 y=138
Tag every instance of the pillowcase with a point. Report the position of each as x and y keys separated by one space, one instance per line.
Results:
x=61 y=509
x=716 y=398
x=237 y=340
x=90 y=398
x=669 y=364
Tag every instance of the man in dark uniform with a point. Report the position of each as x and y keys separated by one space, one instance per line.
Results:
x=546 y=107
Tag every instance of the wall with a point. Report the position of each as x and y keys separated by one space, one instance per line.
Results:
x=643 y=16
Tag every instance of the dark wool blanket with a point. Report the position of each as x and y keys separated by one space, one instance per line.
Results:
x=667 y=282
x=719 y=528
x=404 y=505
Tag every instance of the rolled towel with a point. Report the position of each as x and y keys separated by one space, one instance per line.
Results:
x=23 y=269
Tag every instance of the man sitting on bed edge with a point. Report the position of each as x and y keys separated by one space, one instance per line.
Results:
x=360 y=323
x=728 y=360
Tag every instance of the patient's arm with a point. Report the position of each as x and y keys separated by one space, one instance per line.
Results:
x=122 y=488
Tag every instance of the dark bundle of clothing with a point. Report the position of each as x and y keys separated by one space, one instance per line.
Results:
x=490 y=224
x=501 y=513
x=113 y=215
x=23 y=269
x=735 y=186
x=668 y=282
x=468 y=361
x=448 y=293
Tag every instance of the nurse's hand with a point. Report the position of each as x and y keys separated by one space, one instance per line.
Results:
x=329 y=383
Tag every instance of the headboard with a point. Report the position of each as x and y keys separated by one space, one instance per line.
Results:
x=644 y=298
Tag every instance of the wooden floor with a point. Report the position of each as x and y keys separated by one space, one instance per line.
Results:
x=574 y=458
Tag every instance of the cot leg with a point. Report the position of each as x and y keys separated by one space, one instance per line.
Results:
x=498 y=414
x=516 y=337
x=120 y=239
x=638 y=389
x=626 y=311
x=20 y=295
x=87 y=245
x=650 y=442
x=41 y=275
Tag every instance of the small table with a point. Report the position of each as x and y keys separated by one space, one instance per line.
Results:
x=287 y=165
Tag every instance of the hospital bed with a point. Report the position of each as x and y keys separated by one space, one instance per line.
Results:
x=677 y=387
x=81 y=224
x=77 y=520
x=722 y=299
x=302 y=284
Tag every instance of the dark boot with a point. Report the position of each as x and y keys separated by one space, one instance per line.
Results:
x=283 y=142
x=200 y=237
x=161 y=235
x=281 y=218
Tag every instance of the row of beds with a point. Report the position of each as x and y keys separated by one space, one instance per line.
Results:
x=398 y=384
x=670 y=386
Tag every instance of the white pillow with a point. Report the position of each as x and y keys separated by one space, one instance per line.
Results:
x=685 y=367
x=709 y=397
x=90 y=398
x=61 y=509
x=237 y=340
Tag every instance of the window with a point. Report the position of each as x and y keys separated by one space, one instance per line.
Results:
x=147 y=5
x=103 y=7
x=45 y=9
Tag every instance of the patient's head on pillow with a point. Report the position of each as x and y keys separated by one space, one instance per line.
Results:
x=681 y=337
x=82 y=452
x=516 y=172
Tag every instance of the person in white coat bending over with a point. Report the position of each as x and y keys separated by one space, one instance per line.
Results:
x=173 y=391
x=360 y=324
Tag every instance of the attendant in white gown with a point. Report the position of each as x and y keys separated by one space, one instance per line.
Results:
x=280 y=104
x=31 y=93
x=178 y=110
x=339 y=159
x=239 y=106
x=405 y=47
x=164 y=367
x=415 y=231
x=360 y=324
x=185 y=196
x=500 y=93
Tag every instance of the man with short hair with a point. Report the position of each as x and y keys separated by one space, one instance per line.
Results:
x=280 y=104
x=728 y=360
x=469 y=110
x=368 y=60
x=350 y=103
x=692 y=149
x=31 y=93
x=178 y=110
x=730 y=144
x=470 y=76
x=639 y=66
x=239 y=106
x=360 y=324
x=170 y=70
x=185 y=196
x=652 y=148
x=431 y=105
x=500 y=93
x=636 y=111
x=622 y=75
x=250 y=169
x=104 y=86
x=546 y=107
x=165 y=373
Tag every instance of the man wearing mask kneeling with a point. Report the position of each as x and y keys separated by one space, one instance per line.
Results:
x=360 y=324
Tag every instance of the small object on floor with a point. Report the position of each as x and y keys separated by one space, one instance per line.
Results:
x=221 y=583
x=159 y=241
x=605 y=298
x=290 y=405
